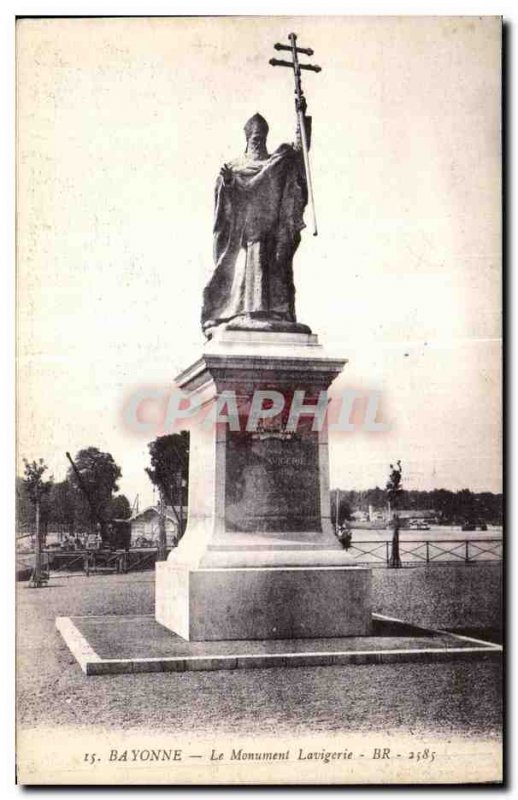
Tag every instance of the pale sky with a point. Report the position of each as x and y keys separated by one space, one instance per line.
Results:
x=122 y=128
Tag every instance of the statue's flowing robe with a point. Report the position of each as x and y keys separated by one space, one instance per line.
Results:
x=258 y=214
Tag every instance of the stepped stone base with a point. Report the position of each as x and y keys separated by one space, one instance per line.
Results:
x=264 y=602
x=105 y=645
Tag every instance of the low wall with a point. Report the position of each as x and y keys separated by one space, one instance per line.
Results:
x=441 y=596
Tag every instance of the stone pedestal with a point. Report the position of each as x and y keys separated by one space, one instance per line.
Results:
x=259 y=559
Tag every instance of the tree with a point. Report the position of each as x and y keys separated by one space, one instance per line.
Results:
x=24 y=506
x=94 y=482
x=451 y=508
x=344 y=508
x=60 y=505
x=36 y=489
x=466 y=506
x=169 y=472
x=394 y=495
x=119 y=507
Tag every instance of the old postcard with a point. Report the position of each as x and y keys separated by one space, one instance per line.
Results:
x=259 y=486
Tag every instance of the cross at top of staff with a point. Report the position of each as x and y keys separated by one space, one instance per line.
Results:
x=300 y=104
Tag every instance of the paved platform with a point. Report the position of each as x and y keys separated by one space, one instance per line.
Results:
x=107 y=645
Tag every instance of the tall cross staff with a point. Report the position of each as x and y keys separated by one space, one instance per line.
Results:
x=300 y=105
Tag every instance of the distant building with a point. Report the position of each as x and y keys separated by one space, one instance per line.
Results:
x=375 y=514
x=360 y=516
x=382 y=514
x=145 y=525
x=414 y=514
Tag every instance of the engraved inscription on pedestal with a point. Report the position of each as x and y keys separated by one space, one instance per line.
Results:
x=272 y=482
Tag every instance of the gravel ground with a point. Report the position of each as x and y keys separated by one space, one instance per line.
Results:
x=460 y=698
x=442 y=595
